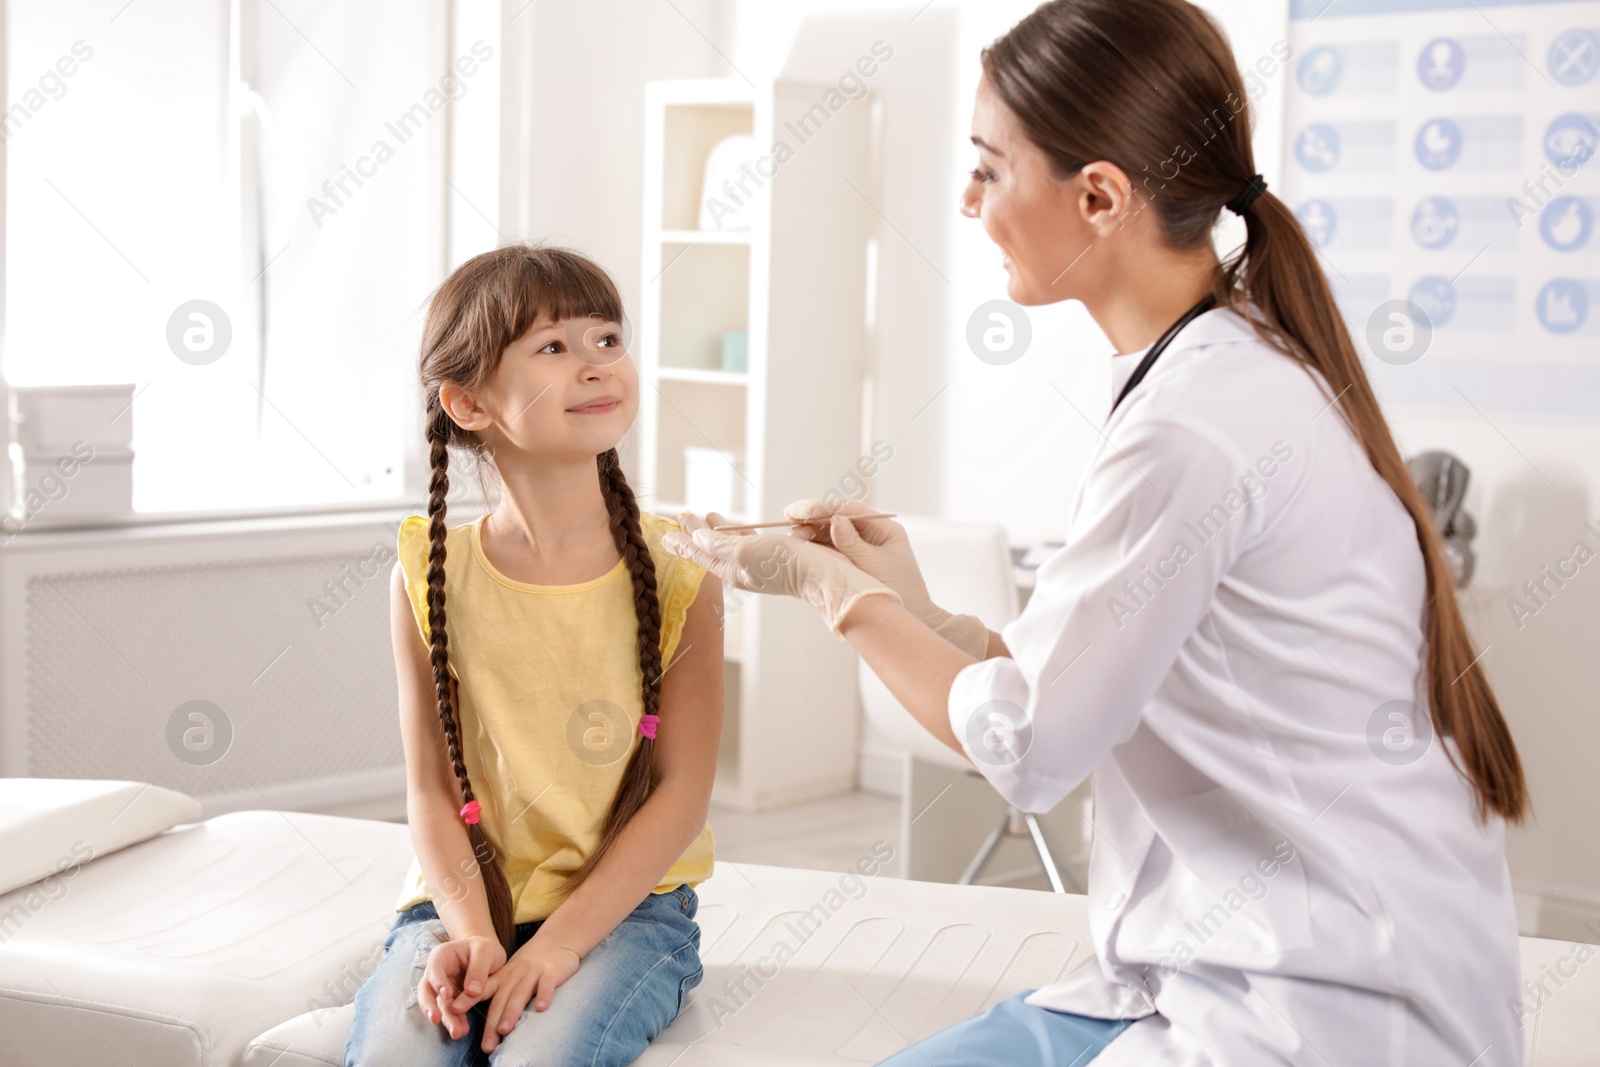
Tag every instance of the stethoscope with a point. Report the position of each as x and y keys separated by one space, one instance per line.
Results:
x=1206 y=303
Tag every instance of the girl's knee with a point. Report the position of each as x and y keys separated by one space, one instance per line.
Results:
x=608 y=1017
x=403 y=1037
x=389 y=1026
x=406 y=957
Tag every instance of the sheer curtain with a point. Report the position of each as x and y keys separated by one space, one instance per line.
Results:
x=282 y=160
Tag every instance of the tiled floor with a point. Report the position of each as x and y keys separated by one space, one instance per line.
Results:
x=829 y=834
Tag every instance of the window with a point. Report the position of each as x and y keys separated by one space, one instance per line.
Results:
x=285 y=162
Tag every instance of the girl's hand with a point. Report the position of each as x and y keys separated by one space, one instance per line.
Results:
x=533 y=971
x=459 y=973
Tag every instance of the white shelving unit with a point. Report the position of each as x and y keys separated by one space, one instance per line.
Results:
x=789 y=424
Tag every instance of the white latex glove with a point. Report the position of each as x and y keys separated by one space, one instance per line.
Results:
x=776 y=563
x=881 y=548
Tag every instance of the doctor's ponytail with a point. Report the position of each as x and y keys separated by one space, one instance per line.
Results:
x=1152 y=86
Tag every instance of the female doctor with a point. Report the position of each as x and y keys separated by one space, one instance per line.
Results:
x=1250 y=638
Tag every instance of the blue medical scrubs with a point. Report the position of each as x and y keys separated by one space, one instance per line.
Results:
x=1012 y=1034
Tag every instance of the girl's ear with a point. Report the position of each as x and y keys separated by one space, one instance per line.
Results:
x=463 y=408
x=1104 y=196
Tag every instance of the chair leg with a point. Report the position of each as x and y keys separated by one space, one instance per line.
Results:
x=1015 y=823
x=1045 y=857
x=987 y=848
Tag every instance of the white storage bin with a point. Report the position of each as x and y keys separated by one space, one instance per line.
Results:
x=51 y=418
x=95 y=481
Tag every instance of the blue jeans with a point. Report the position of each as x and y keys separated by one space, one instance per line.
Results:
x=1012 y=1034
x=625 y=992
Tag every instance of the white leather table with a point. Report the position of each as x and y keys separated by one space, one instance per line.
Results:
x=176 y=951
x=242 y=940
x=900 y=961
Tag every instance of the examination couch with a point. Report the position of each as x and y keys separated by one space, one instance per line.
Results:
x=136 y=934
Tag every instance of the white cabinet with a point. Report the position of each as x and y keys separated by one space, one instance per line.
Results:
x=789 y=425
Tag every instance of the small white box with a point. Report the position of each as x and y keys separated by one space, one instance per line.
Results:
x=95 y=481
x=52 y=418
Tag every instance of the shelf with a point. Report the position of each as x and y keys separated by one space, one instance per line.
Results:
x=704 y=293
x=703 y=237
x=689 y=132
x=703 y=375
x=698 y=414
x=796 y=286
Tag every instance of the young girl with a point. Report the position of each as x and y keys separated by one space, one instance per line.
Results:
x=560 y=747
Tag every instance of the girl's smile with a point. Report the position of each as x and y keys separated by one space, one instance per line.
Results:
x=599 y=406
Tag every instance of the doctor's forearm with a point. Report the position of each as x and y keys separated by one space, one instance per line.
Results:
x=916 y=664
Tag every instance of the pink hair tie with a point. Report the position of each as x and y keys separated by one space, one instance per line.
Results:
x=469 y=812
x=647 y=725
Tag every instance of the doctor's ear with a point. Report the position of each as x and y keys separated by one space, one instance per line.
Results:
x=1104 y=196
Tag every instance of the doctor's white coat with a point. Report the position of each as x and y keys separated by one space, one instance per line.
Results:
x=1285 y=868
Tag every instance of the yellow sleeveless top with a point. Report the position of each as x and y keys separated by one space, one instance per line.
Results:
x=549 y=690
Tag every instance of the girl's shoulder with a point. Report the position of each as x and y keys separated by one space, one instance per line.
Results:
x=677 y=579
x=415 y=528
x=412 y=540
x=655 y=527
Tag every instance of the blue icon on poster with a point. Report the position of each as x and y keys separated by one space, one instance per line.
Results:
x=1563 y=305
x=1574 y=56
x=1319 y=220
x=1438 y=144
x=1319 y=71
x=1435 y=295
x=1434 y=222
x=1317 y=147
x=1566 y=223
x=1570 y=141
x=1440 y=63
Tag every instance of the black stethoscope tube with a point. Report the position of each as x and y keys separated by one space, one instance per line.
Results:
x=1206 y=303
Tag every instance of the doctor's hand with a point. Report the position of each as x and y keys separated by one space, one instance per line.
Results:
x=776 y=564
x=881 y=548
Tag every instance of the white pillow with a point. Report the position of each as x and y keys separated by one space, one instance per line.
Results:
x=51 y=824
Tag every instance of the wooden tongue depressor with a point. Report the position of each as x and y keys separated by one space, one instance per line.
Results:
x=802 y=522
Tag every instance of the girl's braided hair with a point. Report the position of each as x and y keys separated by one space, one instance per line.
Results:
x=485 y=305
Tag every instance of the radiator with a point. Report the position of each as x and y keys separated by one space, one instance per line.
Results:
x=244 y=662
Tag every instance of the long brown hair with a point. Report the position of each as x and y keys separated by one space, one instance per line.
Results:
x=1151 y=85
x=485 y=305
